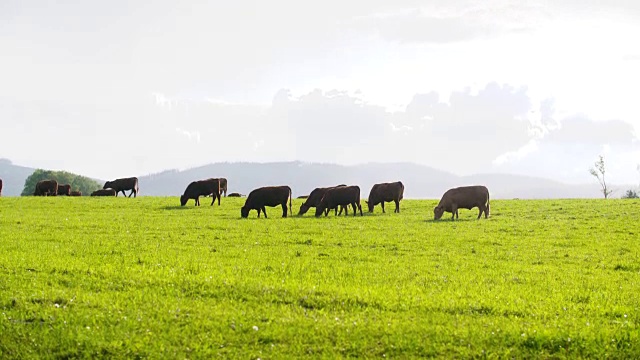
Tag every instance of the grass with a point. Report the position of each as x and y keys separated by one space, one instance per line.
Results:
x=136 y=278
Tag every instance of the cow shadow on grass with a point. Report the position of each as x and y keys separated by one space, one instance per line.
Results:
x=176 y=207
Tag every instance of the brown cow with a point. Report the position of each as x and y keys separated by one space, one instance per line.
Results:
x=201 y=188
x=124 y=184
x=64 y=189
x=0 y=187
x=465 y=197
x=340 y=195
x=76 y=193
x=46 y=188
x=267 y=196
x=105 y=192
x=313 y=200
x=223 y=186
x=385 y=192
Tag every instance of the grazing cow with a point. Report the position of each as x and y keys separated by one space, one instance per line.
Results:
x=201 y=188
x=313 y=200
x=105 y=192
x=267 y=196
x=76 y=193
x=303 y=197
x=465 y=197
x=46 y=188
x=64 y=189
x=124 y=184
x=385 y=192
x=223 y=186
x=0 y=187
x=340 y=195
x=235 y=195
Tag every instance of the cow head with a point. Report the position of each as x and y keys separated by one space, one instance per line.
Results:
x=183 y=200
x=437 y=212
x=107 y=185
x=244 y=211
x=303 y=209
x=370 y=205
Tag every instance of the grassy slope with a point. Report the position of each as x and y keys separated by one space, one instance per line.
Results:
x=98 y=277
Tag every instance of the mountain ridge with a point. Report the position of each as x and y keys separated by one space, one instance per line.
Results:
x=420 y=181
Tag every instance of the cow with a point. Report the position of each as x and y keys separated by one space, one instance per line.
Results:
x=385 y=192
x=64 y=189
x=465 y=197
x=340 y=195
x=123 y=184
x=46 y=188
x=223 y=186
x=0 y=187
x=303 y=197
x=201 y=188
x=105 y=192
x=76 y=193
x=235 y=194
x=313 y=200
x=267 y=196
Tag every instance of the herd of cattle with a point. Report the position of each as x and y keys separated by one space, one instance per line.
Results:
x=322 y=199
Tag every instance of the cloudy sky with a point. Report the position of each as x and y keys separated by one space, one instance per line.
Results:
x=127 y=88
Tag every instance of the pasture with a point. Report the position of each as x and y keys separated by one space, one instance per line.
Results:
x=144 y=277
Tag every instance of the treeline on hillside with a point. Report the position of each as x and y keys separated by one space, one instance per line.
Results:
x=77 y=182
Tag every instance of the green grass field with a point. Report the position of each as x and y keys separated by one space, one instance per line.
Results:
x=137 y=278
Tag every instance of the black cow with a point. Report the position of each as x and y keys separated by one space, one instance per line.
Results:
x=201 y=188
x=340 y=195
x=267 y=196
x=124 y=184
x=465 y=197
x=104 y=192
x=0 y=187
x=235 y=194
x=385 y=192
x=46 y=188
x=313 y=200
x=76 y=193
x=64 y=189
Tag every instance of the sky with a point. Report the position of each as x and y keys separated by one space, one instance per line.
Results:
x=128 y=88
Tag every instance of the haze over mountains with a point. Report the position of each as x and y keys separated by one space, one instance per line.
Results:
x=420 y=181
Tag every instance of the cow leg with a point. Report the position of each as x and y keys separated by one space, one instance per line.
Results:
x=264 y=210
x=198 y=201
x=131 y=193
x=454 y=212
x=480 y=213
x=213 y=200
x=397 y=206
x=284 y=209
x=360 y=208
x=382 y=205
x=259 y=209
x=218 y=198
x=326 y=211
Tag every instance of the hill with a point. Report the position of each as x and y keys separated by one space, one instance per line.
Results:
x=13 y=177
x=420 y=181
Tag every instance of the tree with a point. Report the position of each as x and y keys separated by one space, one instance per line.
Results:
x=77 y=182
x=598 y=172
x=630 y=194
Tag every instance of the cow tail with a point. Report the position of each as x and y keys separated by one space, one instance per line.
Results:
x=488 y=205
x=290 y=196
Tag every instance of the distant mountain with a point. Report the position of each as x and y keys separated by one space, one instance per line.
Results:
x=420 y=181
x=13 y=177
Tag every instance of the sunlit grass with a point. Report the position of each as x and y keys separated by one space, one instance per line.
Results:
x=104 y=277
